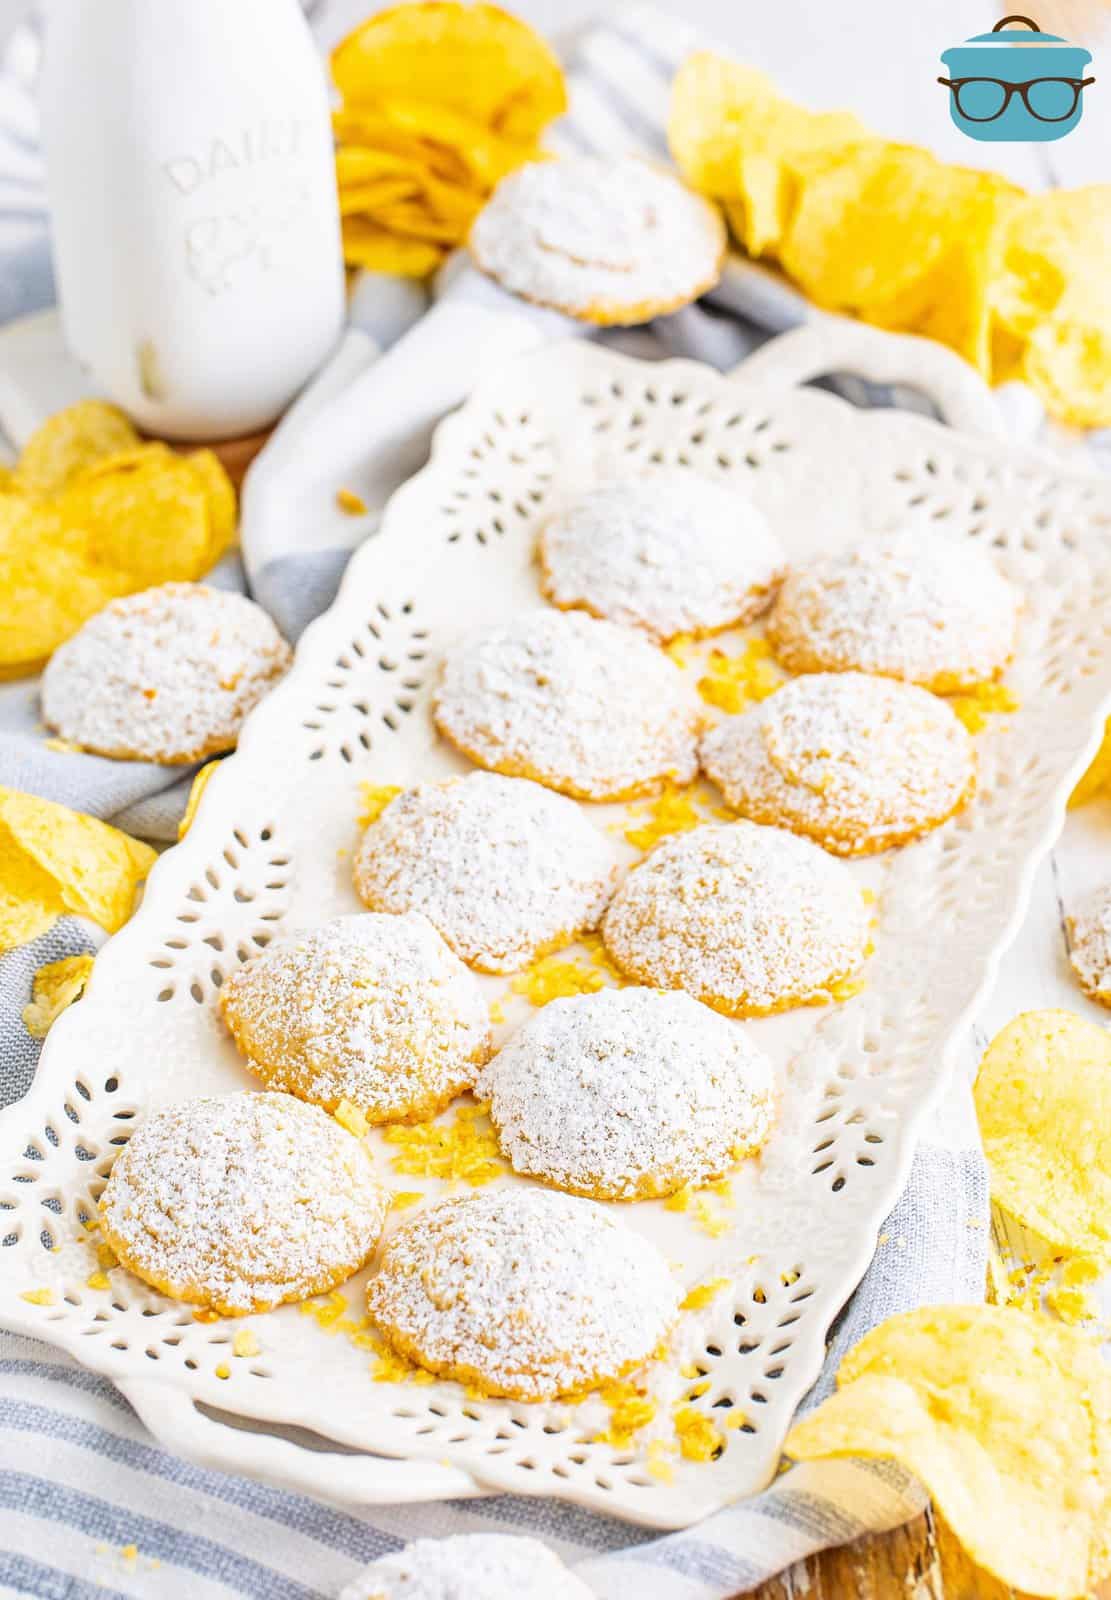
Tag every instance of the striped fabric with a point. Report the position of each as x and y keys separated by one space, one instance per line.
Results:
x=90 y=1506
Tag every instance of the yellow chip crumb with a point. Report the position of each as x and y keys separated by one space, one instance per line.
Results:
x=702 y=1294
x=350 y=502
x=1072 y=1305
x=846 y=988
x=656 y=1461
x=351 y=1118
x=402 y=1199
x=55 y=987
x=464 y=1150
x=672 y=811
x=223 y=1370
x=245 y=1342
x=733 y=682
x=373 y=800
x=699 y=1439
x=555 y=978
x=38 y=1297
x=199 y=785
x=678 y=649
x=1097 y=779
x=733 y=1419
x=130 y=1553
x=98 y=1280
x=497 y=1013
x=985 y=700
x=631 y=1410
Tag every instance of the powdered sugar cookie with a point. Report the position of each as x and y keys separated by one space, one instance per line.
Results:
x=469 y=1566
x=1090 y=945
x=669 y=552
x=924 y=608
x=859 y=764
x=165 y=675
x=748 y=919
x=503 y=868
x=580 y=705
x=628 y=1094
x=609 y=241
x=522 y=1292
x=242 y=1202
x=374 y=1010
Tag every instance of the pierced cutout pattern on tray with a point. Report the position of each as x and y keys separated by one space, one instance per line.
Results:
x=261 y=857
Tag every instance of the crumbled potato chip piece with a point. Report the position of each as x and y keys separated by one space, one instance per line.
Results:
x=197 y=788
x=440 y=101
x=1004 y=1416
x=1043 y=1098
x=54 y=987
x=58 y=861
x=69 y=442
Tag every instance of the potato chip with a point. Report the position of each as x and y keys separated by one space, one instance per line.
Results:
x=441 y=101
x=54 y=988
x=142 y=518
x=845 y=262
x=1054 y=260
x=736 y=139
x=1043 y=1097
x=1068 y=365
x=69 y=442
x=475 y=59
x=120 y=521
x=57 y=861
x=368 y=244
x=1004 y=1416
x=1015 y=283
x=1097 y=779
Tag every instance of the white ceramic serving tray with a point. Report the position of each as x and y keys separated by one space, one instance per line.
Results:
x=271 y=849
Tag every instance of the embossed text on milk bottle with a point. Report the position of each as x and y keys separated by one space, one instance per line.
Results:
x=192 y=185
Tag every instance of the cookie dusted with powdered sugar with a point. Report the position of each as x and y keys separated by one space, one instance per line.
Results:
x=909 y=605
x=374 y=1010
x=1090 y=945
x=858 y=764
x=747 y=919
x=583 y=706
x=166 y=675
x=503 y=868
x=668 y=552
x=522 y=1292
x=628 y=1094
x=608 y=241
x=241 y=1202
x=469 y=1566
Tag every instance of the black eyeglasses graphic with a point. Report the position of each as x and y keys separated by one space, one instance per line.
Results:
x=1046 y=99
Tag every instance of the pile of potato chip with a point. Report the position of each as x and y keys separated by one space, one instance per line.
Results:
x=91 y=511
x=1016 y=283
x=439 y=101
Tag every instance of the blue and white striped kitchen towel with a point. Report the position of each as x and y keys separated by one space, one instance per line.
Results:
x=90 y=1506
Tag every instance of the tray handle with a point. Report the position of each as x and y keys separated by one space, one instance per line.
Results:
x=258 y=1451
x=827 y=345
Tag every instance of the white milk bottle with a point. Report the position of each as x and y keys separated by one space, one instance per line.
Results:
x=193 y=196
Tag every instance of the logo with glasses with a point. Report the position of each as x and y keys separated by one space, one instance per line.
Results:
x=1016 y=83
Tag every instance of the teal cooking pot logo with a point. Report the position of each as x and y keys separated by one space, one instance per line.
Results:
x=1016 y=83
